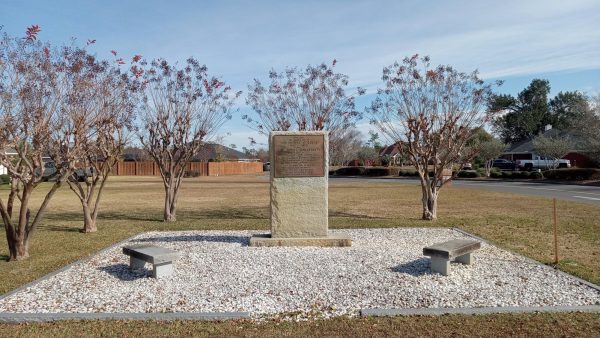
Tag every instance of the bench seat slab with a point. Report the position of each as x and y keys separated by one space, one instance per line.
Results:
x=452 y=249
x=150 y=253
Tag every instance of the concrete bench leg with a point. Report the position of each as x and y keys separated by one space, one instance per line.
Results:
x=440 y=265
x=136 y=264
x=465 y=259
x=162 y=270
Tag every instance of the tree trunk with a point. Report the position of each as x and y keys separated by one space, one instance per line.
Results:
x=170 y=205
x=89 y=221
x=429 y=200
x=18 y=246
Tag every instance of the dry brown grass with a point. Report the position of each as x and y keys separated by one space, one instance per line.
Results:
x=133 y=204
x=531 y=325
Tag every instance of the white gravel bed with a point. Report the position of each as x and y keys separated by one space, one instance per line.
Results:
x=217 y=272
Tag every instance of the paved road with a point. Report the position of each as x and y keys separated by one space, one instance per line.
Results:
x=578 y=193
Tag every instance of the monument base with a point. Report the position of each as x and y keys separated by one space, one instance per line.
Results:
x=328 y=241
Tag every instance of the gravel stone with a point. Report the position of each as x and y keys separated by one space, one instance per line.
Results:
x=217 y=271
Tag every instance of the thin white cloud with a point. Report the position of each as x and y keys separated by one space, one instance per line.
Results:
x=242 y=40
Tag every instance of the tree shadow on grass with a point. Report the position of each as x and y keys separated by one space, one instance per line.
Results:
x=224 y=213
x=242 y=240
x=416 y=268
x=155 y=215
x=351 y=215
x=109 y=215
x=58 y=228
x=122 y=272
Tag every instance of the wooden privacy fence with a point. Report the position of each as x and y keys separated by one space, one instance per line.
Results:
x=149 y=168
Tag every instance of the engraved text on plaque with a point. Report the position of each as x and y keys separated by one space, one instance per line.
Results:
x=299 y=156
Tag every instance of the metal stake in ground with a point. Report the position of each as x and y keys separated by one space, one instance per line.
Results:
x=555 y=235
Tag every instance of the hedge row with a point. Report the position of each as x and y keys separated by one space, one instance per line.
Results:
x=576 y=174
x=517 y=174
x=4 y=179
x=365 y=171
x=573 y=174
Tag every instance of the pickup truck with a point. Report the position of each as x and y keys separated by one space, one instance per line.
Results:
x=50 y=172
x=542 y=162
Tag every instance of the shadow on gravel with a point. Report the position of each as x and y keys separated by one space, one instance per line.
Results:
x=242 y=240
x=418 y=267
x=122 y=272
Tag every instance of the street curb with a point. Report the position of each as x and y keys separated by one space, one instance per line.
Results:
x=14 y=318
x=475 y=311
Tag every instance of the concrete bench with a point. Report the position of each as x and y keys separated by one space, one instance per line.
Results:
x=160 y=258
x=457 y=249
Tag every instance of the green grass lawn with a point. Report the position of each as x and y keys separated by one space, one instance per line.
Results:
x=133 y=204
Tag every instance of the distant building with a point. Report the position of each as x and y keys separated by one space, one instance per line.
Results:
x=10 y=152
x=393 y=152
x=209 y=152
x=525 y=150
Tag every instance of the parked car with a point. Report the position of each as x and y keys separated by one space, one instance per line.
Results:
x=503 y=164
x=81 y=174
x=49 y=170
x=542 y=162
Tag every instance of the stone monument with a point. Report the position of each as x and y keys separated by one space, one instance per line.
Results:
x=299 y=197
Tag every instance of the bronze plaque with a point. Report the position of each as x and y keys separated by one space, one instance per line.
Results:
x=299 y=155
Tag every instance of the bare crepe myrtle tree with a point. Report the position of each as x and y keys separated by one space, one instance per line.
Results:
x=310 y=99
x=180 y=109
x=488 y=151
x=553 y=147
x=344 y=146
x=587 y=127
x=99 y=113
x=431 y=113
x=34 y=82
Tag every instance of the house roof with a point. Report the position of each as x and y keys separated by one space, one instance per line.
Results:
x=527 y=146
x=521 y=147
x=392 y=149
x=209 y=151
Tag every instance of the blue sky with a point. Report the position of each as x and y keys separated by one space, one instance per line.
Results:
x=515 y=41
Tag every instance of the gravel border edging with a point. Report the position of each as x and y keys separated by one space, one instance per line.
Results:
x=169 y=316
x=582 y=281
x=475 y=311
x=14 y=318
x=487 y=310
x=66 y=267
x=47 y=317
